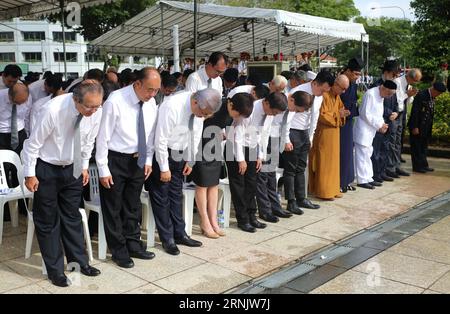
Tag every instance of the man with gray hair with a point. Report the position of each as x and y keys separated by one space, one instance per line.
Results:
x=405 y=95
x=278 y=84
x=56 y=171
x=298 y=78
x=177 y=138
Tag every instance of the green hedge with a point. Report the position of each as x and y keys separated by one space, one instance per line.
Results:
x=441 y=125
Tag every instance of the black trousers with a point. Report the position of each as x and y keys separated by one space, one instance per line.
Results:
x=10 y=170
x=295 y=164
x=392 y=156
x=57 y=217
x=121 y=205
x=266 y=187
x=401 y=120
x=167 y=200
x=243 y=187
x=379 y=155
x=419 y=151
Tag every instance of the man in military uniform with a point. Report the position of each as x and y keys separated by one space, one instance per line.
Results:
x=420 y=126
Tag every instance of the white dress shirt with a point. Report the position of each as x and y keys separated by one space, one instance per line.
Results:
x=23 y=113
x=241 y=89
x=36 y=109
x=306 y=120
x=199 y=80
x=252 y=132
x=119 y=127
x=173 y=129
x=37 y=90
x=52 y=140
x=402 y=95
x=74 y=82
x=370 y=118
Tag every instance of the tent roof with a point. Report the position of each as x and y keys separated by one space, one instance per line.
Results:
x=221 y=28
x=31 y=8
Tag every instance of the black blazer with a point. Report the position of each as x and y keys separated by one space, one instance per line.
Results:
x=422 y=113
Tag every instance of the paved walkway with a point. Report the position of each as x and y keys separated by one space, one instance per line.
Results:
x=222 y=265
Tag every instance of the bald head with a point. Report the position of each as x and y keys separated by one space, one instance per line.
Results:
x=341 y=84
x=18 y=93
x=147 y=84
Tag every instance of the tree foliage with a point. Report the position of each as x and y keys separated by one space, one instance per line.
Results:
x=431 y=43
x=389 y=37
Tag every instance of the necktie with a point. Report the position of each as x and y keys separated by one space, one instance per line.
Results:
x=142 y=143
x=191 y=137
x=209 y=83
x=283 y=130
x=14 y=132
x=77 y=163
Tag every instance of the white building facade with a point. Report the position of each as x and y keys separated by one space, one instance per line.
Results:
x=37 y=46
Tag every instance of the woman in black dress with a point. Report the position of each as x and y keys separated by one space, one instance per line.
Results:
x=206 y=173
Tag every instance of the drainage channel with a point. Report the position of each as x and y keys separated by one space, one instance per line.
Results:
x=314 y=270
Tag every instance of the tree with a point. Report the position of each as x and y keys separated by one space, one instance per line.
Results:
x=97 y=20
x=431 y=34
x=335 y=9
x=388 y=38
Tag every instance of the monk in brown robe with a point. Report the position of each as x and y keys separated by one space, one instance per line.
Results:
x=324 y=155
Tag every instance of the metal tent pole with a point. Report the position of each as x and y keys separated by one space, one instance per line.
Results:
x=253 y=39
x=162 y=34
x=61 y=5
x=195 y=34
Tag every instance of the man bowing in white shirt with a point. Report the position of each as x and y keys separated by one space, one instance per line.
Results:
x=56 y=159
x=370 y=121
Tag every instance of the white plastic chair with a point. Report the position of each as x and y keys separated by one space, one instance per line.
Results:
x=225 y=201
x=19 y=192
x=148 y=219
x=94 y=205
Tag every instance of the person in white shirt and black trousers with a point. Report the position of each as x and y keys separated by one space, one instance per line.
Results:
x=301 y=132
x=248 y=143
x=177 y=140
x=56 y=159
x=124 y=153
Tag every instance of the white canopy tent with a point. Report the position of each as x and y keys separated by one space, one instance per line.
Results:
x=37 y=8
x=224 y=28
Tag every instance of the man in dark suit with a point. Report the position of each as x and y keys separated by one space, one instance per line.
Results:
x=420 y=126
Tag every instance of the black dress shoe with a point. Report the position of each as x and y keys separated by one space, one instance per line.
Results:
x=420 y=170
x=171 y=248
x=351 y=188
x=344 y=190
x=89 y=271
x=142 y=255
x=402 y=160
x=306 y=203
x=256 y=224
x=428 y=169
x=392 y=174
x=366 y=186
x=386 y=178
x=374 y=183
x=247 y=227
x=402 y=172
x=269 y=217
x=378 y=179
x=186 y=240
x=281 y=213
x=293 y=208
x=60 y=281
x=123 y=263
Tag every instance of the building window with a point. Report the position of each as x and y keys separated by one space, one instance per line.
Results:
x=93 y=58
x=70 y=56
x=32 y=56
x=6 y=36
x=33 y=36
x=7 y=57
x=70 y=36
